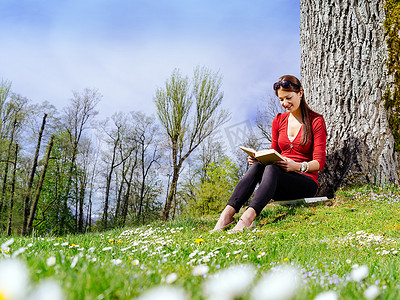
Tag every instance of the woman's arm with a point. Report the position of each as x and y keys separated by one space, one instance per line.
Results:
x=290 y=165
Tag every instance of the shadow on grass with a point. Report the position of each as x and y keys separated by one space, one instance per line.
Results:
x=275 y=214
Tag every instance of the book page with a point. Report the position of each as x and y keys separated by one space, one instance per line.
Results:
x=249 y=151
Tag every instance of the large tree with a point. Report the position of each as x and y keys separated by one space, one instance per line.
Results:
x=344 y=73
x=189 y=111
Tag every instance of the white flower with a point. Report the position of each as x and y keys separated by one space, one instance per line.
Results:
x=135 y=262
x=6 y=244
x=107 y=248
x=171 y=278
x=5 y=249
x=74 y=262
x=51 y=261
x=19 y=251
x=230 y=283
x=47 y=290
x=165 y=293
x=327 y=296
x=359 y=273
x=116 y=262
x=280 y=284
x=65 y=244
x=14 y=277
x=200 y=270
x=371 y=292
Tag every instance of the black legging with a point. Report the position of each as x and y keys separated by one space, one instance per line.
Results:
x=275 y=184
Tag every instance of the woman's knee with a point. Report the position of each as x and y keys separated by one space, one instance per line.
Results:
x=255 y=168
x=272 y=169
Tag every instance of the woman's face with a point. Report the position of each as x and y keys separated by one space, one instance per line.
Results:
x=290 y=101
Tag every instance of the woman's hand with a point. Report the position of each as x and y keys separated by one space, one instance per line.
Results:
x=288 y=165
x=251 y=160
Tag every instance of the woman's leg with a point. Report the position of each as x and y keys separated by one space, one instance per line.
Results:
x=246 y=186
x=277 y=184
x=241 y=194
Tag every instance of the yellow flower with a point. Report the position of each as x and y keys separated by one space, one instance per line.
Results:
x=286 y=259
x=198 y=241
x=111 y=240
x=119 y=242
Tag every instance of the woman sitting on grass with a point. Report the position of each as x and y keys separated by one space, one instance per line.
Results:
x=300 y=136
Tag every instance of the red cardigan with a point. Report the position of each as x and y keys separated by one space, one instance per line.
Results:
x=314 y=150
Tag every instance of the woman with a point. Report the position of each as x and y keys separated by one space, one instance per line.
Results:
x=300 y=136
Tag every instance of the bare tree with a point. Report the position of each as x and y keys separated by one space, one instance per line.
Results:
x=11 y=204
x=266 y=114
x=39 y=189
x=31 y=177
x=185 y=126
x=116 y=136
x=147 y=140
x=5 y=87
x=77 y=118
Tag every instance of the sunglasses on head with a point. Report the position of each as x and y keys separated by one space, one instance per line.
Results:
x=284 y=84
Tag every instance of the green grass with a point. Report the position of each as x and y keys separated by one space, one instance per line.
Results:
x=323 y=242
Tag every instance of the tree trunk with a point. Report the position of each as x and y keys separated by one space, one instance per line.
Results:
x=127 y=194
x=82 y=190
x=171 y=194
x=344 y=74
x=39 y=188
x=65 y=209
x=30 y=183
x=108 y=186
x=119 y=196
x=4 y=187
x=12 y=191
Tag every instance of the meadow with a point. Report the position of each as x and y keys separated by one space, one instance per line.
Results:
x=346 y=250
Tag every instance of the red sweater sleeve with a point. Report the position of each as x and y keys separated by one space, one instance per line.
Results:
x=319 y=146
x=275 y=133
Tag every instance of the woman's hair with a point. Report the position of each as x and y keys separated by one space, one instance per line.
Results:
x=290 y=83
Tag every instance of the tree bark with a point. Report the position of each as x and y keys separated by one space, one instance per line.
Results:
x=39 y=188
x=30 y=183
x=344 y=74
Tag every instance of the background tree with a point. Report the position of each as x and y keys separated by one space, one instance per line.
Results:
x=186 y=127
x=77 y=119
x=344 y=73
x=26 y=210
x=14 y=115
x=210 y=195
x=121 y=144
x=149 y=155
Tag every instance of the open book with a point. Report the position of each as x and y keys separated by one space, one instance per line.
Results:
x=264 y=156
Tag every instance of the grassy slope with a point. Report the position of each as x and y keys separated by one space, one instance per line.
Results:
x=324 y=242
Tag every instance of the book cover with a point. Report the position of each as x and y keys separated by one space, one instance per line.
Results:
x=263 y=156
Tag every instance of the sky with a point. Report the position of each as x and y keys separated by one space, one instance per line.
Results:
x=128 y=48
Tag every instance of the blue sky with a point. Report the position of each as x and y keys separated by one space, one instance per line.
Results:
x=128 y=48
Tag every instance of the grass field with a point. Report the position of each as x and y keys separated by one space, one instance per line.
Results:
x=349 y=249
